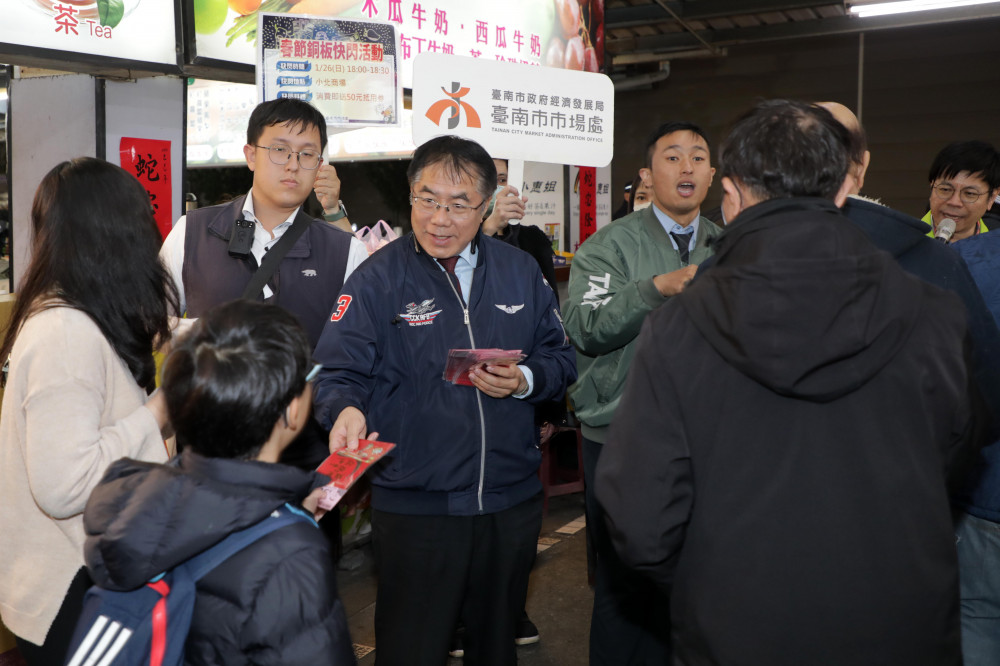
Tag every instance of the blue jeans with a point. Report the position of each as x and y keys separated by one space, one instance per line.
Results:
x=978 y=544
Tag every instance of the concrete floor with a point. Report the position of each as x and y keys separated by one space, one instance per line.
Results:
x=559 y=598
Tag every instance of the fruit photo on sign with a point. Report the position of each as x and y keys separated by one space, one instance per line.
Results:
x=579 y=41
x=241 y=15
x=209 y=15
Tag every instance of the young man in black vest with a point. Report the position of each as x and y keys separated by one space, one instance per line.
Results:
x=285 y=143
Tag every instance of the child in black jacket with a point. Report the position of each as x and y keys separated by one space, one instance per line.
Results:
x=238 y=392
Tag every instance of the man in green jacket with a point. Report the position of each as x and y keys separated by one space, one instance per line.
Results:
x=618 y=276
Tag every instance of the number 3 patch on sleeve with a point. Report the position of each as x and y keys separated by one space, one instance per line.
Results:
x=342 y=303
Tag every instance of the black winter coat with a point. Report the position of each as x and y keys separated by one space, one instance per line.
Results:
x=778 y=461
x=275 y=602
x=533 y=240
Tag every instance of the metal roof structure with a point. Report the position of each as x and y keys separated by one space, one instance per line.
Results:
x=643 y=35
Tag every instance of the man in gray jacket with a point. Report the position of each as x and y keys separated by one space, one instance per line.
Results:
x=618 y=276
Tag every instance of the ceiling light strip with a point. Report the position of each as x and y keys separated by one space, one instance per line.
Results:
x=904 y=6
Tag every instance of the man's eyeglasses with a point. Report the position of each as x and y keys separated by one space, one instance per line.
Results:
x=969 y=195
x=457 y=211
x=280 y=155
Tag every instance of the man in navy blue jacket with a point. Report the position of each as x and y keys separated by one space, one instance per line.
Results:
x=457 y=511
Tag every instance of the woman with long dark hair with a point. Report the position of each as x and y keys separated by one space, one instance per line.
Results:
x=90 y=309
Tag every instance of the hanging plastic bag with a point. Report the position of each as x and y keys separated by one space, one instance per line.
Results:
x=376 y=237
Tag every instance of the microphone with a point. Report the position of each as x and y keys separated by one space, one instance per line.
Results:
x=945 y=230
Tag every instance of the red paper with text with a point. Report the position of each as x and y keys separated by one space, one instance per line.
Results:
x=149 y=161
x=588 y=202
x=345 y=467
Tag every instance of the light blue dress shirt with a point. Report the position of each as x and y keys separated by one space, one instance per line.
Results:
x=465 y=267
x=672 y=227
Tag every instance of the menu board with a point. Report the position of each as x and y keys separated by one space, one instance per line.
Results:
x=345 y=68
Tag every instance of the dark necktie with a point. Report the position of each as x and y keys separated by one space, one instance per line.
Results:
x=448 y=264
x=682 y=240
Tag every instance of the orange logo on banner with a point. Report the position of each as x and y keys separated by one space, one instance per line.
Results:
x=454 y=104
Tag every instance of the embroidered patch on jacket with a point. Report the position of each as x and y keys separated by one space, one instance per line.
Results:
x=509 y=309
x=309 y=272
x=420 y=315
x=342 y=303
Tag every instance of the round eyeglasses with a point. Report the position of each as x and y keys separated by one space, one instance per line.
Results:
x=969 y=195
x=457 y=211
x=280 y=155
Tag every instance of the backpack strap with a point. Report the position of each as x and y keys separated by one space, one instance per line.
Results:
x=201 y=564
x=273 y=257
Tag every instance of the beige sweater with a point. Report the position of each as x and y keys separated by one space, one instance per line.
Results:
x=71 y=407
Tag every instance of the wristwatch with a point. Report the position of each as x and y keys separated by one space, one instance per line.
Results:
x=341 y=212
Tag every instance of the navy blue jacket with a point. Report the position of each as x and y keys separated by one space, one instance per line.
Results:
x=982 y=255
x=905 y=238
x=384 y=350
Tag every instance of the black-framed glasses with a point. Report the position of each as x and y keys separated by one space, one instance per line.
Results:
x=457 y=211
x=969 y=195
x=280 y=155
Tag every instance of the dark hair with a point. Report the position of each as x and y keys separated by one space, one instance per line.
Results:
x=633 y=188
x=459 y=157
x=506 y=164
x=783 y=148
x=228 y=381
x=295 y=112
x=670 y=128
x=96 y=247
x=977 y=157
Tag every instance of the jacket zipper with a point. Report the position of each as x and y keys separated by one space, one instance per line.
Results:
x=479 y=398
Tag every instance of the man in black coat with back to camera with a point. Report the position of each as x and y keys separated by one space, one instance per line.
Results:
x=811 y=523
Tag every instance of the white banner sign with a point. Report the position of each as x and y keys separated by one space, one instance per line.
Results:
x=515 y=111
x=128 y=29
x=568 y=33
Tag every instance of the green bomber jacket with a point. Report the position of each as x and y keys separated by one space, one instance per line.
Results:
x=610 y=293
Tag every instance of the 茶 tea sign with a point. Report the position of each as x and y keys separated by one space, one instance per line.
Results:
x=132 y=30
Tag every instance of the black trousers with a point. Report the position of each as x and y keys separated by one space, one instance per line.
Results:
x=436 y=570
x=53 y=651
x=630 y=624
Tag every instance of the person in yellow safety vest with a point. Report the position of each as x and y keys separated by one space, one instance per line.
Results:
x=964 y=180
